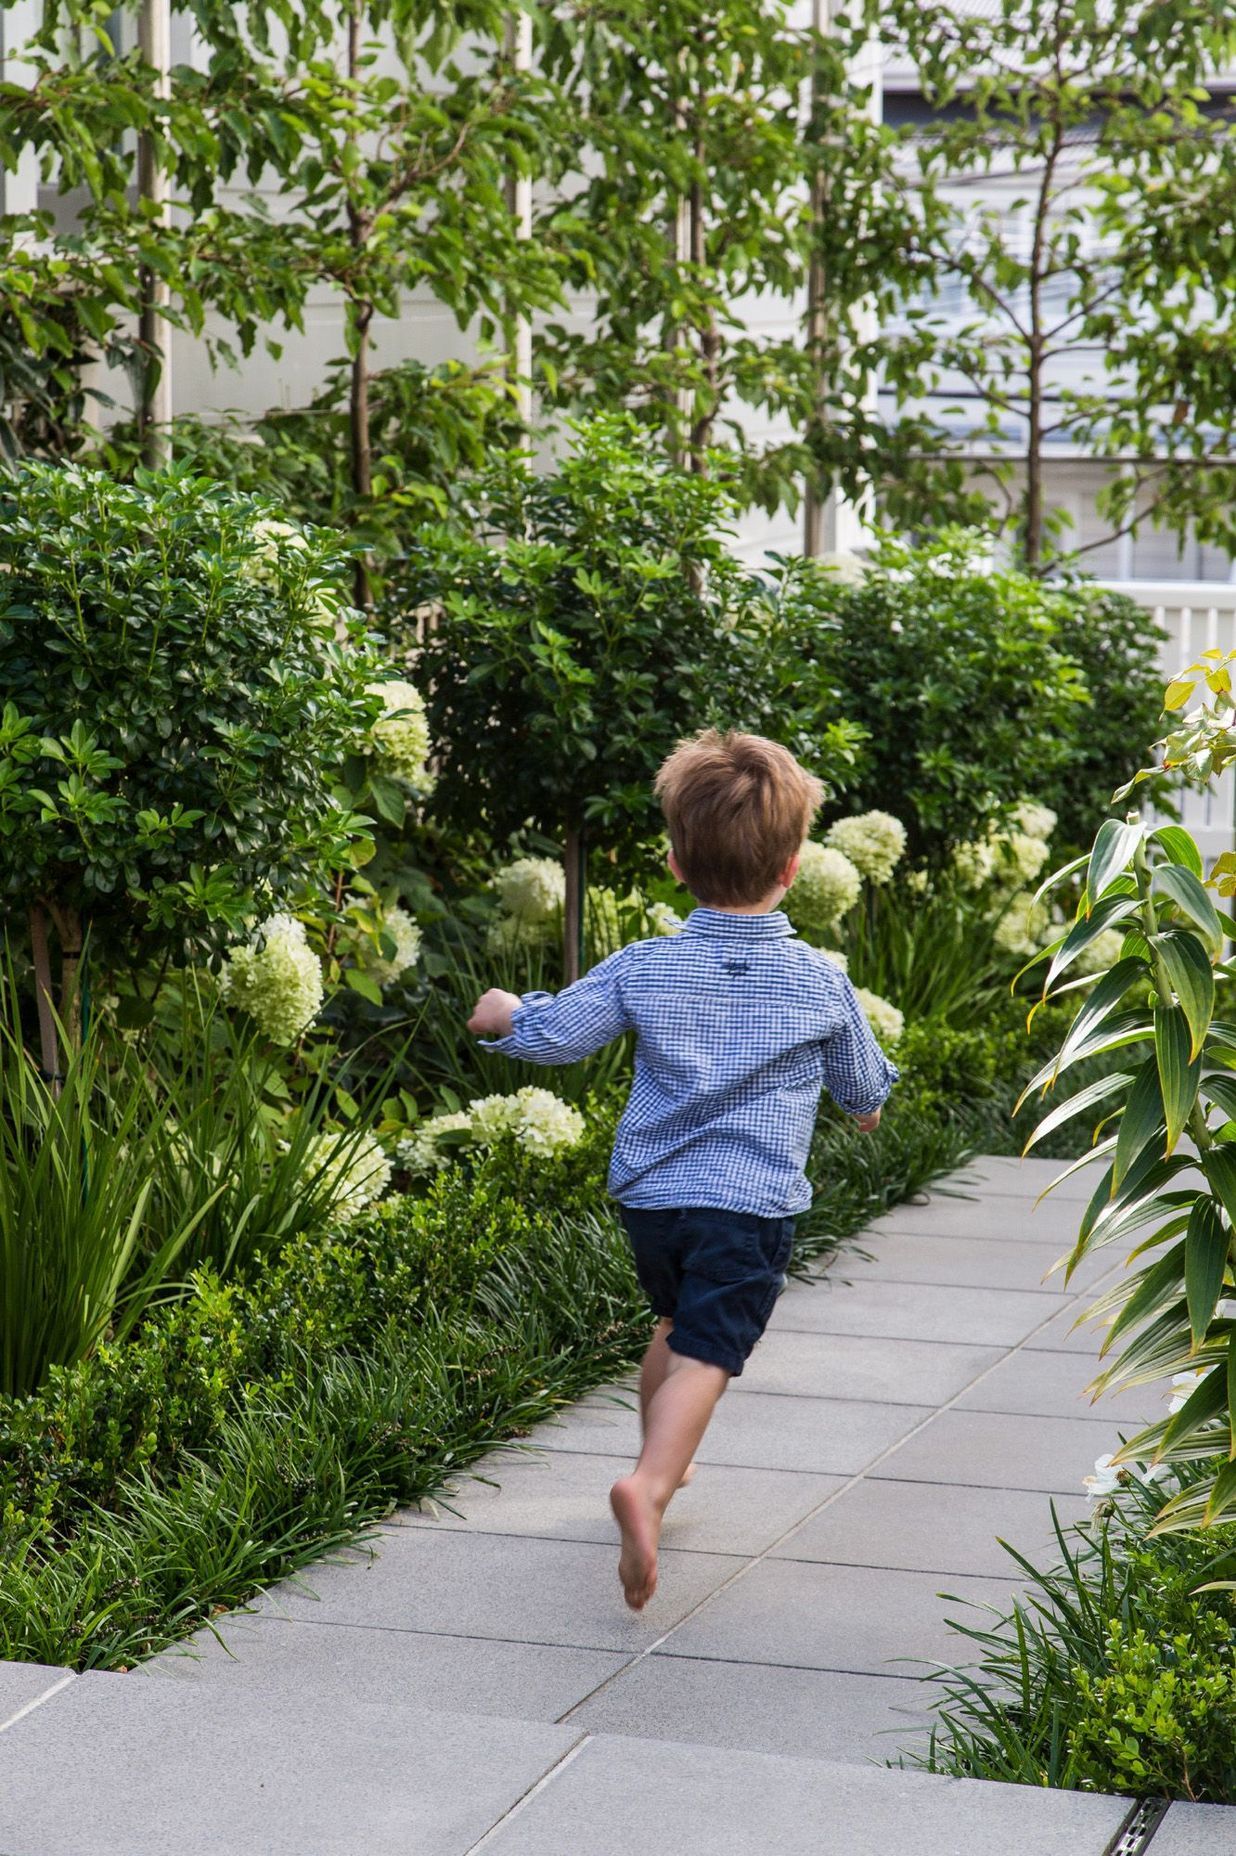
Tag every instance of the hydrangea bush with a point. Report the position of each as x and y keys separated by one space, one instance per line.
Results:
x=538 y=1121
x=827 y=885
x=874 y=842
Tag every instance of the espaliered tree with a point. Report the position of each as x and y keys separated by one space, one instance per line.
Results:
x=585 y=622
x=721 y=160
x=1080 y=173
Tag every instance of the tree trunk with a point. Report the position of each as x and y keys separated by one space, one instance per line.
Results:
x=360 y=314
x=574 y=865
x=155 y=408
x=519 y=205
x=817 y=295
x=1033 y=534
x=49 y=1042
x=69 y=929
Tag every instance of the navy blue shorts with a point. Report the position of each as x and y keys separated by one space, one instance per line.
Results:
x=715 y=1274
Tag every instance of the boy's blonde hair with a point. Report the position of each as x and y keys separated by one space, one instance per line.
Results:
x=738 y=808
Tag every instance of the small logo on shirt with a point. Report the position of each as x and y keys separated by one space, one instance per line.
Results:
x=737 y=966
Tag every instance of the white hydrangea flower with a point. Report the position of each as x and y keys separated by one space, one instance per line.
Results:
x=532 y=889
x=277 y=978
x=507 y=933
x=353 y=1172
x=400 y=736
x=874 y=842
x=664 y=920
x=271 y=536
x=826 y=886
x=1103 y=952
x=542 y=1123
x=403 y=931
x=1024 y=926
x=1019 y=858
x=885 y=1020
x=421 y=1152
x=1035 y=820
x=974 y=862
x=837 y=957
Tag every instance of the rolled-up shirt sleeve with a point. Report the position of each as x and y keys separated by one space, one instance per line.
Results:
x=564 y=1027
x=857 y=1074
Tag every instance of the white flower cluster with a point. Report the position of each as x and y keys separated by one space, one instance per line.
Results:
x=399 y=927
x=277 y=978
x=837 y=957
x=353 y=1173
x=532 y=891
x=885 y=1020
x=826 y=886
x=399 y=739
x=1186 y=1385
x=874 y=842
x=1034 y=820
x=541 y=1123
x=849 y=569
x=1011 y=855
x=1024 y=926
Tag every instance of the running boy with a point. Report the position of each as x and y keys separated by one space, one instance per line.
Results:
x=738 y=1026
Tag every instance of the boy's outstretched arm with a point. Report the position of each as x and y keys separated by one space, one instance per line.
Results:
x=544 y=1028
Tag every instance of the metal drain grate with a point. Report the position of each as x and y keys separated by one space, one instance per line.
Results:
x=1138 y=1831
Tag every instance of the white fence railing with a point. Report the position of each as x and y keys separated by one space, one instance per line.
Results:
x=1197 y=615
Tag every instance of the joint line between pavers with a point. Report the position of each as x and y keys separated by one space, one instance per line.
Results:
x=546 y=1778
x=851 y=1482
x=69 y=1676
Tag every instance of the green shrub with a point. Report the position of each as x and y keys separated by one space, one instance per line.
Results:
x=181 y=679
x=1115 y=1672
x=961 y=676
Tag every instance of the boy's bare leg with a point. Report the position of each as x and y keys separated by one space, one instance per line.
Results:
x=677 y=1417
x=653 y=1369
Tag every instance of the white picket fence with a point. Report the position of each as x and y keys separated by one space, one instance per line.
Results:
x=1196 y=615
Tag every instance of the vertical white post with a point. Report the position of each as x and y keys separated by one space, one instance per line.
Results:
x=19 y=21
x=519 y=201
x=155 y=411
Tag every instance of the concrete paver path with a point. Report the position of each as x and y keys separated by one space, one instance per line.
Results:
x=476 y=1684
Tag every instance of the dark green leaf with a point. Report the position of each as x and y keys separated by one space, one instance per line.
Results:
x=1113 y=850
x=1178 y=1073
x=1206 y=1246
x=1191 y=977
x=1141 y=1124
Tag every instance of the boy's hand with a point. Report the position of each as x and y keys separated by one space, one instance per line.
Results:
x=869 y=1123
x=492 y=1014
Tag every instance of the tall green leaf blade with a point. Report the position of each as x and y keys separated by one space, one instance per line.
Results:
x=1221 y=1090
x=1207 y=1399
x=1207 y=1241
x=1188 y=972
x=1230 y=1376
x=1142 y=1122
x=1158 y=1285
x=1091 y=1019
x=1219 y=1165
x=1085 y=1098
x=1104 y=915
x=1179 y=846
x=1113 y=850
x=1185 y=890
x=1179 y=1073
x=1223 y=1495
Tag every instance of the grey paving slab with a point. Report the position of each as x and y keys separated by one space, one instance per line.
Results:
x=914 y=1311
x=1000 y=1220
x=566 y=1496
x=127 y=1767
x=467 y=1675
x=933 y=1527
x=1053 y=1385
x=764 y=1430
x=808 y=1713
x=970 y=1262
x=1006 y=1175
x=1196 y=1830
x=620 y=1797
x=848 y=1618
x=487 y=1585
x=807 y=1364
x=21 y=1684
x=1062 y=1334
x=997 y=1451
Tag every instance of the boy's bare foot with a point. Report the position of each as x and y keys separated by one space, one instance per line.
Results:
x=640 y=1526
x=688 y=1475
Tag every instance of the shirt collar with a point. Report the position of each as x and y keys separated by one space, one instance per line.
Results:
x=720 y=923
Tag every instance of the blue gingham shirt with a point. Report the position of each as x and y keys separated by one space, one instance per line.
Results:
x=738 y=1026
